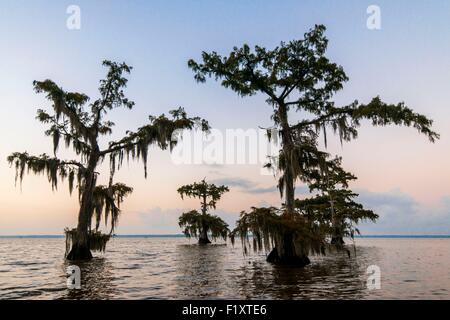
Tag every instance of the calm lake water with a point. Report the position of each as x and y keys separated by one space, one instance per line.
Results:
x=174 y=268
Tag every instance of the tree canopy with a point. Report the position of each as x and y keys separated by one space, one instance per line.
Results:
x=80 y=122
x=297 y=76
x=201 y=224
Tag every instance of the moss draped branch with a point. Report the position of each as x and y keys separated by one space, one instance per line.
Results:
x=81 y=125
x=345 y=120
x=69 y=105
x=201 y=224
x=193 y=222
x=297 y=76
x=160 y=132
x=107 y=201
x=54 y=168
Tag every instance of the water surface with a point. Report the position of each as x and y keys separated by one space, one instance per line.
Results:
x=174 y=268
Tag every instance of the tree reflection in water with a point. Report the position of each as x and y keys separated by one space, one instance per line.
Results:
x=213 y=271
x=329 y=277
x=200 y=271
x=221 y=272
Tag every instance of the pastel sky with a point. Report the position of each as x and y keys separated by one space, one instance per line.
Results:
x=402 y=176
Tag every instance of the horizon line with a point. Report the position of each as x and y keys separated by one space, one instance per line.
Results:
x=178 y=235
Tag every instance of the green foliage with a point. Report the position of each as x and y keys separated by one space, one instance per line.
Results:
x=196 y=224
x=296 y=65
x=107 y=201
x=81 y=125
x=345 y=120
x=54 y=168
x=97 y=240
x=208 y=193
x=193 y=224
x=297 y=77
x=334 y=205
x=340 y=207
x=300 y=159
x=160 y=132
x=332 y=212
x=265 y=228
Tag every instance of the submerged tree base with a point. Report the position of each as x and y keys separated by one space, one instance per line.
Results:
x=78 y=253
x=297 y=261
x=204 y=241
x=338 y=241
x=75 y=251
x=289 y=238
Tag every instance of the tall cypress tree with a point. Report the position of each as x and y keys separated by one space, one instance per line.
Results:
x=298 y=77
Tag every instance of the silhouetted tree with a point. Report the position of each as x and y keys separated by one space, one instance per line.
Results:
x=334 y=206
x=81 y=129
x=200 y=224
x=297 y=76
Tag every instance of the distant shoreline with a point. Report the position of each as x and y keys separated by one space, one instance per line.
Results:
x=182 y=236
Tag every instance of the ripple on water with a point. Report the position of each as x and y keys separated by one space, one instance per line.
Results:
x=173 y=268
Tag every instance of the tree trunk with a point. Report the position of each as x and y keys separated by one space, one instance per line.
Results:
x=337 y=238
x=80 y=246
x=203 y=238
x=288 y=148
x=284 y=252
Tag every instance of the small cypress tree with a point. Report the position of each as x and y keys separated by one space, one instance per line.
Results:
x=201 y=224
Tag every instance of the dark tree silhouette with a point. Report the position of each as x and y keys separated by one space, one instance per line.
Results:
x=298 y=77
x=331 y=214
x=200 y=224
x=81 y=128
x=334 y=206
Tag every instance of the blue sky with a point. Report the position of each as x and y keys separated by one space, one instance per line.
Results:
x=407 y=60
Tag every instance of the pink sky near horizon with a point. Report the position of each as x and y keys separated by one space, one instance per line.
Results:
x=408 y=60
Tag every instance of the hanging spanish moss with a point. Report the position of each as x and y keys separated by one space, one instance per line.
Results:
x=159 y=132
x=335 y=204
x=195 y=224
x=96 y=240
x=55 y=169
x=297 y=76
x=81 y=126
x=107 y=201
x=203 y=225
x=263 y=229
